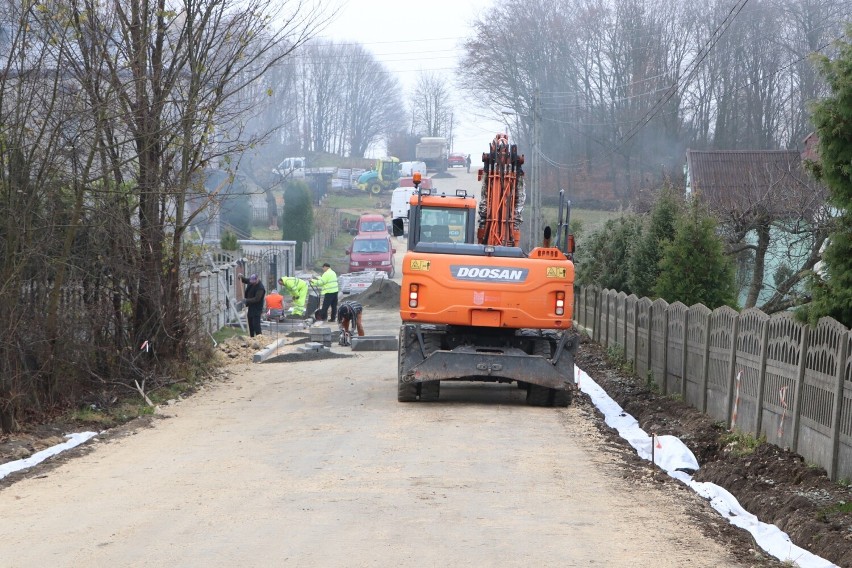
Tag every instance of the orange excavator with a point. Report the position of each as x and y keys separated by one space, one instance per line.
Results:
x=474 y=305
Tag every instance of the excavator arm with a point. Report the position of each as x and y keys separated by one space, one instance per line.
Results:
x=503 y=195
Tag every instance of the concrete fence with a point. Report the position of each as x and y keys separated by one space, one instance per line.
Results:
x=213 y=289
x=764 y=375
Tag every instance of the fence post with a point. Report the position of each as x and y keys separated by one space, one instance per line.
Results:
x=761 y=377
x=705 y=371
x=684 y=342
x=732 y=368
x=665 y=349
x=800 y=386
x=838 y=407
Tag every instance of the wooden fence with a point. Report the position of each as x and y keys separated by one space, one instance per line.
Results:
x=764 y=375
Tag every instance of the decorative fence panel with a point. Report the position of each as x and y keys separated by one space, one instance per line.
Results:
x=784 y=367
x=675 y=347
x=630 y=328
x=844 y=441
x=720 y=353
x=820 y=401
x=643 y=337
x=750 y=347
x=620 y=319
x=611 y=317
x=795 y=381
x=657 y=347
x=697 y=347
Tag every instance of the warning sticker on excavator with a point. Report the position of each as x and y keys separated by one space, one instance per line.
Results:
x=420 y=265
x=556 y=272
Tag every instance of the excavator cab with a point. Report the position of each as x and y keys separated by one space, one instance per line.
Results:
x=447 y=219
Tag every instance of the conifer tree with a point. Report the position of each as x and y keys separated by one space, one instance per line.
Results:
x=604 y=259
x=297 y=223
x=693 y=265
x=644 y=266
x=832 y=287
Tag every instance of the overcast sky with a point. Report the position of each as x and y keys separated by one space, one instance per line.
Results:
x=408 y=37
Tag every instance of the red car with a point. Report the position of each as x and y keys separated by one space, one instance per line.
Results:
x=459 y=160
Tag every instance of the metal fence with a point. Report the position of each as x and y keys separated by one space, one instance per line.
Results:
x=764 y=375
x=216 y=289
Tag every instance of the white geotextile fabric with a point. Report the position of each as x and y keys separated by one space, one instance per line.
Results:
x=38 y=457
x=673 y=457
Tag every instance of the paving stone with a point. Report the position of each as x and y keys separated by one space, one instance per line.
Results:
x=375 y=343
x=267 y=352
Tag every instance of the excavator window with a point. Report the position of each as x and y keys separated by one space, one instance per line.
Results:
x=443 y=225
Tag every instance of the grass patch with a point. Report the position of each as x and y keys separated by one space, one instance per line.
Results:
x=591 y=220
x=365 y=201
x=741 y=443
x=228 y=332
x=335 y=254
x=113 y=416
x=843 y=508
x=615 y=356
x=651 y=383
x=265 y=234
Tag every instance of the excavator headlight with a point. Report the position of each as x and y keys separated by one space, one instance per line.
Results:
x=489 y=249
x=461 y=193
x=412 y=296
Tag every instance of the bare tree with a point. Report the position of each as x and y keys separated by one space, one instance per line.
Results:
x=109 y=115
x=348 y=100
x=775 y=215
x=431 y=107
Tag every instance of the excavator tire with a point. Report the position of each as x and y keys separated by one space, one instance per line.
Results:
x=430 y=391
x=542 y=396
x=405 y=392
x=376 y=188
x=539 y=396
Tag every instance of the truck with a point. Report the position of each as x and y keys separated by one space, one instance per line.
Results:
x=296 y=168
x=474 y=305
x=432 y=150
x=383 y=176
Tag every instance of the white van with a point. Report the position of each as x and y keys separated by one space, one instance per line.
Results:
x=292 y=168
x=407 y=169
x=399 y=202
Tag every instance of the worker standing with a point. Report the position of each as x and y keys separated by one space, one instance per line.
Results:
x=253 y=295
x=350 y=312
x=327 y=284
x=298 y=289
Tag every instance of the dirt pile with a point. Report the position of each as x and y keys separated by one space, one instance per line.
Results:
x=240 y=349
x=776 y=485
x=382 y=293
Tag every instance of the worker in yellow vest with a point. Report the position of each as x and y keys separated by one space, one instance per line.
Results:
x=298 y=289
x=327 y=284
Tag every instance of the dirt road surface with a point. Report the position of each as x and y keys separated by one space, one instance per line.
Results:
x=315 y=463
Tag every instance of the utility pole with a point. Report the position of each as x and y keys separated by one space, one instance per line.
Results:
x=534 y=192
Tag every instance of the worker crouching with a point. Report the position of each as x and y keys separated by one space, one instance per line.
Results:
x=298 y=290
x=350 y=312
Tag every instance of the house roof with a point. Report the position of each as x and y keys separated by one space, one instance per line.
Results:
x=738 y=179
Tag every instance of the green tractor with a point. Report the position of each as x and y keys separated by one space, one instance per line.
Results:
x=383 y=176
